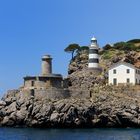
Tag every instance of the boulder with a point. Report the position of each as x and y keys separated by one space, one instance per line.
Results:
x=2 y=103
x=11 y=108
x=21 y=114
x=54 y=117
x=7 y=122
x=134 y=107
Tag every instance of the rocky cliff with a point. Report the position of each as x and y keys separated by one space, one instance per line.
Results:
x=107 y=106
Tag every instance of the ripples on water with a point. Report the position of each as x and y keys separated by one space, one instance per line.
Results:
x=68 y=134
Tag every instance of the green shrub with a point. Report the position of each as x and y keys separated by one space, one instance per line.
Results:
x=125 y=46
x=134 y=41
x=119 y=45
x=84 y=48
x=129 y=47
x=108 y=54
x=107 y=47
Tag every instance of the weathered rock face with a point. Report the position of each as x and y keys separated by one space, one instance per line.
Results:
x=85 y=80
x=106 y=108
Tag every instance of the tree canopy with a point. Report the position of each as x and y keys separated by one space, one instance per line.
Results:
x=72 y=48
x=107 y=47
x=84 y=48
x=134 y=41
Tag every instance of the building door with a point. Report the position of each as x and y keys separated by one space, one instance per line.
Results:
x=115 y=81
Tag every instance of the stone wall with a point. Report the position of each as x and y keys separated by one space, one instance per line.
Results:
x=31 y=84
x=53 y=93
x=56 y=82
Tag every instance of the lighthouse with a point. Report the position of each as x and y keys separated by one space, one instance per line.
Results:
x=46 y=65
x=93 y=54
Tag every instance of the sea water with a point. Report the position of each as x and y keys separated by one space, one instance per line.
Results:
x=68 y=134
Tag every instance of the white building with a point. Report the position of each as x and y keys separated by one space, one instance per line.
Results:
x=123 y=73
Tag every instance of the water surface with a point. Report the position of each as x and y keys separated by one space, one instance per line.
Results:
x=68 y=134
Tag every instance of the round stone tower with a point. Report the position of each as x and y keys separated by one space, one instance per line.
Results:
x=93 y=54
x=46 y=65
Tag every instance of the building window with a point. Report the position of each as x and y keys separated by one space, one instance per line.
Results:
x=127 y=80
x=114 y=81
x=114 y=71
x=136 y=81
x=32 y=83
x=128 y=71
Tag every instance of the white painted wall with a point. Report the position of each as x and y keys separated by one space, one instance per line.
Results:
x=121 y=74
x=93 y=65
x=93 y=56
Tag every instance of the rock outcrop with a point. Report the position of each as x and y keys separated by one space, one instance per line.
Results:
x=106 y=108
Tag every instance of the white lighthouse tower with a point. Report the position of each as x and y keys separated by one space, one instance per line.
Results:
x=93 y=54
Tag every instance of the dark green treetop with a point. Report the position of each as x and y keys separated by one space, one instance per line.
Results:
x=72 y=48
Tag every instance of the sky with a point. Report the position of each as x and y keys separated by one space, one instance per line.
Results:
x=31 y=28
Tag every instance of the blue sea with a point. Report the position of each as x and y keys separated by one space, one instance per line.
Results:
x=68 y=134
